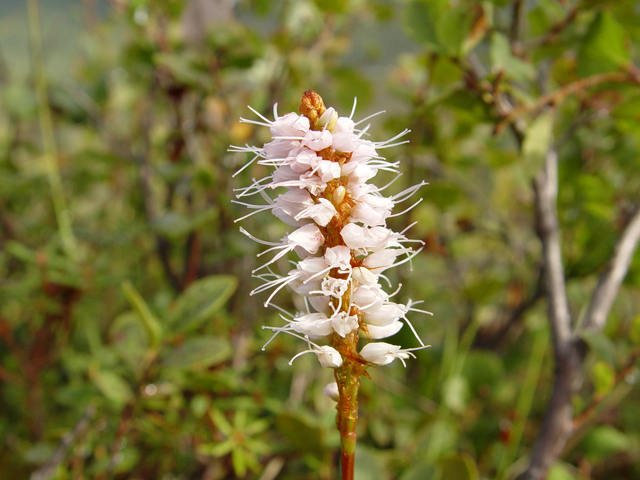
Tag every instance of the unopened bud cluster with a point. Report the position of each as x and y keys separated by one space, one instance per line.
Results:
x=322 y=165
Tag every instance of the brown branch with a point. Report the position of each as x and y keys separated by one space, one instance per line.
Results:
x=600 y=402
x=610 y=280
x=556 y=97
x=558 y=422
x=555 y=30
x=516 y=21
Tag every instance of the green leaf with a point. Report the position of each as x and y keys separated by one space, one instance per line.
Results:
x=200 y=405
x=420 y=21
x=420 y=472
x=176 y=225
x=184 y=68
x=483 y=368
x=332 y=6
x=198 y=353
x=604 y=46
x=221 y=422
x=537 y=141
x=560 y=471
x=129 y=339
x=603 y=441
x=112 y=386
x=149 y=321
x=201 y=300
x=601 y=345
x=238 y=462
x=368 y=465
x=456 y=393
x=21 y=252
x=19 y=100
x=502 y=59
x=459 y=467
x=128 y=459
x=604 y=377
x=454 y=27
x=217 y=449
x=300 y=434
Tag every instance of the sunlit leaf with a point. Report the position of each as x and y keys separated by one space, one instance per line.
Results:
x=456 y=393
x=604 y=48
x=459 y=467
x=239 y=462
x=605 y=440
x=604 y=377
x=537 y=142
x=221 y=422
x=502 y=59
x=454 y=27
x=560 y=471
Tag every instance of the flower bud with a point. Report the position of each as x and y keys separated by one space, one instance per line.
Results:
x=338 y=195
x=328 y=119
x=331 y=391
x=329 y=357
x=365 y=276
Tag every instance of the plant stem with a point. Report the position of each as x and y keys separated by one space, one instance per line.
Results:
x=48 y=139
x=348 y=380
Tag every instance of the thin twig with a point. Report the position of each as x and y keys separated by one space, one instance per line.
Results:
x=560 y=94
x=516 y=20
x=609 y=282
x=546 y=193
x=47 y=471
x=556 y=29
x=596 y=405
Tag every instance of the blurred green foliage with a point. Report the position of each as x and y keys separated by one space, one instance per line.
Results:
x=137 y=353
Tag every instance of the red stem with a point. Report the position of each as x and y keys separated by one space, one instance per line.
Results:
x=348 y=456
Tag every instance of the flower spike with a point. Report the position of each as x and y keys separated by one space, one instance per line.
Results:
x=324 y=163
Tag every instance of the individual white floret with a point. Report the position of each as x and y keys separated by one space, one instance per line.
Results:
x=321 y=212
x=376 y=332
x=344 y=324
x=308 y=238
x=381 y=353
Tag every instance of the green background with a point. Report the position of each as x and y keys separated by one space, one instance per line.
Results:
x=129 y=345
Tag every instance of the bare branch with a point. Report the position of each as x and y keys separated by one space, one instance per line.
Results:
x=609 y=283
x=558 y=421
x=546 y=193
x=49 y=469
x=556 y=97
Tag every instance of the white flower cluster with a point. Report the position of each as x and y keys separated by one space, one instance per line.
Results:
x=341 y=235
